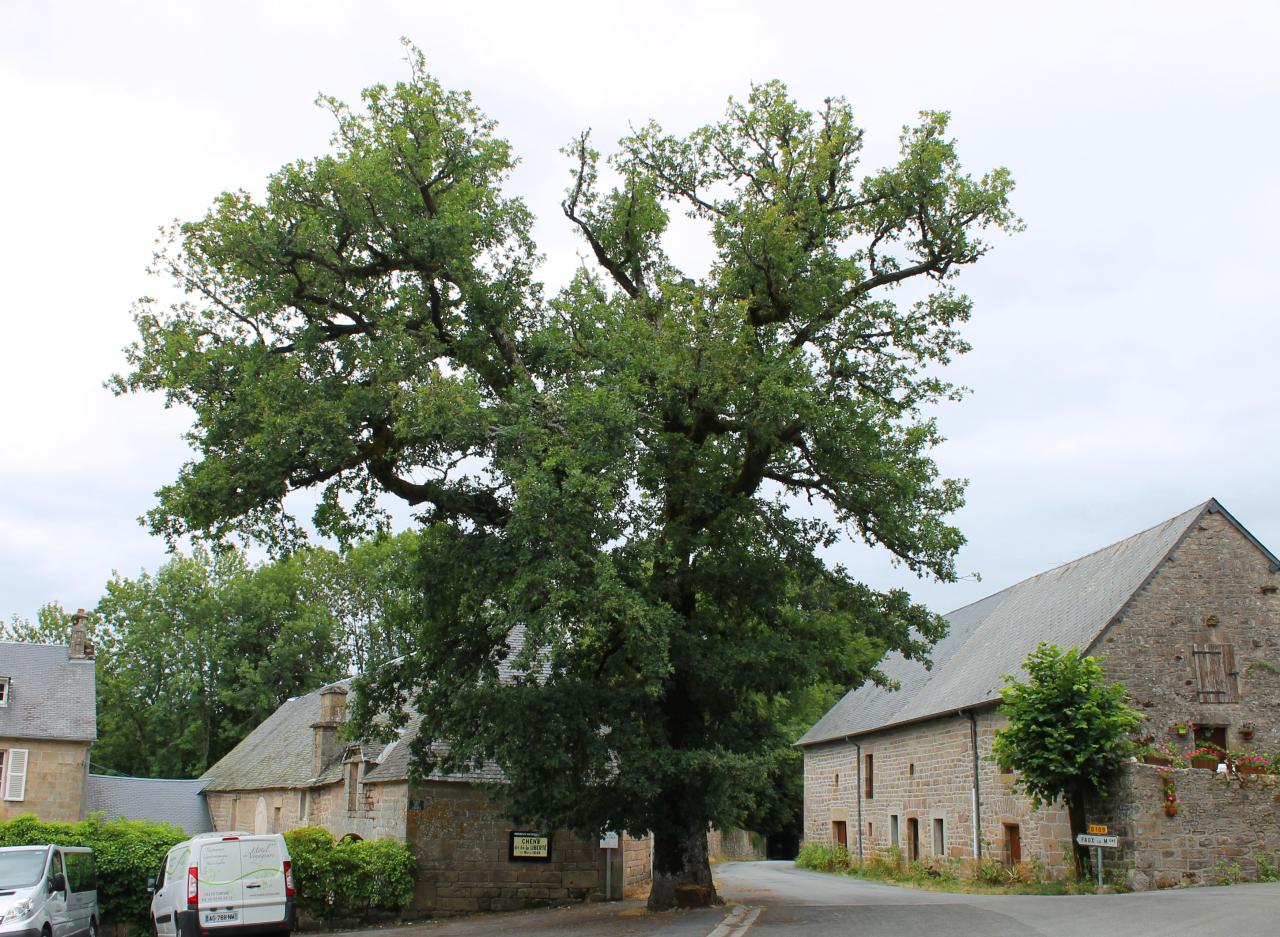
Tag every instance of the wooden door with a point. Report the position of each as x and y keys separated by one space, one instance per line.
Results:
x=840 y=833
x=1012 y=843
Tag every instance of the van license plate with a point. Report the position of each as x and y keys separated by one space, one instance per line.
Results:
x=220 y=917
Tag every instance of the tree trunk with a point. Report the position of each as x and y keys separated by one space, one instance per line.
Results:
x=681 y=870
x=1076 y=817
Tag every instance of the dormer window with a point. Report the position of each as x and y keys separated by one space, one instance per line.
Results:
x=4 y=691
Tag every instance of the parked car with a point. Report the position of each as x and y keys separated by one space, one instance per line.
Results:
x=225 y=884
x=48 y=891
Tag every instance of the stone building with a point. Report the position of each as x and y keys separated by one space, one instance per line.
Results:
x=48 y=723
x=1186 y=615
x=296 y=770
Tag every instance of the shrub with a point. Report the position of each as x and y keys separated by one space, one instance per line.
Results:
x=988 y=870
x=127 y=853
x=349 y=879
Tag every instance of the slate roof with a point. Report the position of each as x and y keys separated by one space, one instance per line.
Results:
x=394 y=763
x=50 y=695
x=1069 y=606
x=280 y=753
x=178 y=802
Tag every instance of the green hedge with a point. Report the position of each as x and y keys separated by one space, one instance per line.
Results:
x=127 y=853
x=349 y=879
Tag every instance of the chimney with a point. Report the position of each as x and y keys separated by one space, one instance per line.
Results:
x=80 y=648
x=333 y=713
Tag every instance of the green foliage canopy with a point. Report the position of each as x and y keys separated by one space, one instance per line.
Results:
x=127 y=853
x=1069 y=729
x=354 y=878
x=623 y=574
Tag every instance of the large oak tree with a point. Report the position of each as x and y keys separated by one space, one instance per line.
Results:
x=625 y=488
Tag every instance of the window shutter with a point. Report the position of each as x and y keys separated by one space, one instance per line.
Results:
x=1216 y=673
x=15 y=778
x=1230 y=685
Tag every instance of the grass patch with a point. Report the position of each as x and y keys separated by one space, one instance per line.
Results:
x=987 y=876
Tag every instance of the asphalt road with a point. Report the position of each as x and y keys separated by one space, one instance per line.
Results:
x=774 y=899
x=809 y=904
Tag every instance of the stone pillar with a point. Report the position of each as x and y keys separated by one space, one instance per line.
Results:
x=80 y=648
x=333 y=713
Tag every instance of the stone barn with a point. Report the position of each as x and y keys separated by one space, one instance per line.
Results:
x=296 y=770
x=1186 y=615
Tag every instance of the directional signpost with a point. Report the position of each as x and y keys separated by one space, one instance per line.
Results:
x=1097 y=838
x=608 y=842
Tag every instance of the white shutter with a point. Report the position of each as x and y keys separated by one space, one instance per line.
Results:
x=15 y=776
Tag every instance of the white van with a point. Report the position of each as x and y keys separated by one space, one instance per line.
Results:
x=48 y=891
x=226 y=884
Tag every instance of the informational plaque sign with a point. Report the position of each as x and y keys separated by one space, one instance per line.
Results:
x=609 y=840
x=529 y=846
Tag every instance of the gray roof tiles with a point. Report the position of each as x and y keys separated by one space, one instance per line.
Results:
x=165 y=801
x=1068 y=605
x=50 y=695
x=278 y=753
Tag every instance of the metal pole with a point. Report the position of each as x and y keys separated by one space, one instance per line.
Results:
x=1098 y=861
x=608 y=875
x=858 y=794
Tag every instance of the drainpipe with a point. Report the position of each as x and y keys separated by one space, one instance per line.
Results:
x=858 y=793
x=977 y=792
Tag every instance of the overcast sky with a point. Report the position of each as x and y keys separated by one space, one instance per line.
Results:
x=1125 y=345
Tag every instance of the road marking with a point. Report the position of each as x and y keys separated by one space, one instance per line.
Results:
x=738 y=922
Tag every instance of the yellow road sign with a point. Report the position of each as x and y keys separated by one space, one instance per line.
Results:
x=1097 y=829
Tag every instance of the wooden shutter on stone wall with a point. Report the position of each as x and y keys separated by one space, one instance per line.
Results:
x=15 y=775
x=1216 y=673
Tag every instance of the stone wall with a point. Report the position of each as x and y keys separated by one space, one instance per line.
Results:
x=1221 y=820
x=725 y=845
x=379 y=811
x=637 y=858
x=1216 y=588
x=462 y=848
x=925 y=772
x=57 y=773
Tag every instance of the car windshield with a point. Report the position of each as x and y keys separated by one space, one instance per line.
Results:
x=22 y=868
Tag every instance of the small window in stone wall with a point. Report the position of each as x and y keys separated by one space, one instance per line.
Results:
x=1216 y=674
x=939 y=837
x=837 y=780
x=303 y=805
x=869 y=776
x=353 y=776
x=893 y=829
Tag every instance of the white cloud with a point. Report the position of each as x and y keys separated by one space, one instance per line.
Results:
x=1123 y=344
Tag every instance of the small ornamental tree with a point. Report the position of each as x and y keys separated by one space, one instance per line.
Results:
x=1068 y=731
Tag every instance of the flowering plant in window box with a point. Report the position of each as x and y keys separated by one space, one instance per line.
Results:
x=1168 y=793
x=1247 y=729
x=1250 y=762
x=1162 y=754
x=1206 y=756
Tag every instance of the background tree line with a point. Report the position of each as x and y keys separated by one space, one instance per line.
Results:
x=192 y=657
